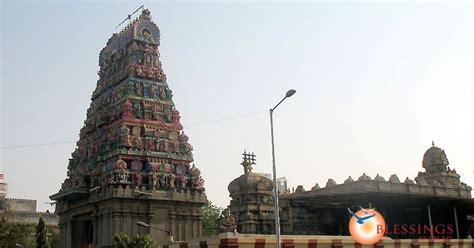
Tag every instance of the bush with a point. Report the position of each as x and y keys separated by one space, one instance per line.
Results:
x=122 y=240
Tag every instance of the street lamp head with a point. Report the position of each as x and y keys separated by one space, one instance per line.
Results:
x=141 y=223
x=290 y=93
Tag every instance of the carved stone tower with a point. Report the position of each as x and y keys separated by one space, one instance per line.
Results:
x=438 y=172
x=252 y=200
x=132 y=161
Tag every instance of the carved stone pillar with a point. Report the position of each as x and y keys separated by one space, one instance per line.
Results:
x=68 y=233
x=96 y=228
x=103 y=228
x=195 y=225
x=200 y=226
x=131 y=217
x=173 y=230
x=116 y=217
x=188 y=227
x=182 y=227
x=128 y=223
x=149 y=217
x=62 y=232
x=107 y=220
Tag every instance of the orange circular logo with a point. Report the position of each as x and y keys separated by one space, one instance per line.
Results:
x=366 y=226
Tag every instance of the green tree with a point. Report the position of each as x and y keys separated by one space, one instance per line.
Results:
x=42 y=234
x=54 y=239
x=122 y=240
x=15 y=234
x=210 y=222
x=144 y=241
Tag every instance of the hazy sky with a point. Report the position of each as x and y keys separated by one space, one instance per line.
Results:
x=376 y=83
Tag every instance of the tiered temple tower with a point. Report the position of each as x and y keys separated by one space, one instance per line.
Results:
x=132 y=161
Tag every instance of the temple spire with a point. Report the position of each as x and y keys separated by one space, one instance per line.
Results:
x=132 y=139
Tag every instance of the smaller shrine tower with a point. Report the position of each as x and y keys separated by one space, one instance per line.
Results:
x=437 y=171
x=252 y=200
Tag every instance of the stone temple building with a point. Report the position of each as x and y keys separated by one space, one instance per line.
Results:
x=133 y=162
x=435 y=198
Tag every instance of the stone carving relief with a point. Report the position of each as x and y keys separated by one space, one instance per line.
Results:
x=349 y=180
x=330 y=183
x=394 y=179
x=364 y=177
x=379 y=178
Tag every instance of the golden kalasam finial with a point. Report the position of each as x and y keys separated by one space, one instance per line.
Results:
x=248 y=161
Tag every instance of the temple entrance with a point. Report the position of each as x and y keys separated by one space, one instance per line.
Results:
x=83 y=233
x=89 y=233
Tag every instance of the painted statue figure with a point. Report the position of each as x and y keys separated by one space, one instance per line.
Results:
x=172 y=182
x=162 y=182
x=139 y=89
x=162 y=93
x=138 y=179
x=227 y=221
x=122 y=176
x=153 y=179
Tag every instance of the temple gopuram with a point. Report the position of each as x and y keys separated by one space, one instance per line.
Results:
x=436 y=204
x=133 y=162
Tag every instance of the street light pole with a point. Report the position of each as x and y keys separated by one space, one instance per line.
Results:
x=275 y=190
x=275 y=193
x=143 y=224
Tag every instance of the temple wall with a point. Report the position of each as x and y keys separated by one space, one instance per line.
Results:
x=229 y=240
x=21 y=205
x=24 y=211
x=33 y=217
x=121 y=212
x=387 y=186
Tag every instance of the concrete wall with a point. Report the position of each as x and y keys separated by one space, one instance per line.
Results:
x=302 y=241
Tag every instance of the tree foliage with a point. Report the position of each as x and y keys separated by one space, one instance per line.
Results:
x=122 y=240
x=210 y=222
x=42 y=234
x=54 y=239
x=15 y=234
x=25 y=235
